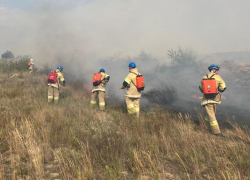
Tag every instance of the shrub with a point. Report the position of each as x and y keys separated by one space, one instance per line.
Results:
x=182 y=57
x=45 y=70
x=8 y=54
x=162 y=95
x=19 y=64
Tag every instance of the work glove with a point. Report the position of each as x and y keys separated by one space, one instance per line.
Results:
x=63 y=83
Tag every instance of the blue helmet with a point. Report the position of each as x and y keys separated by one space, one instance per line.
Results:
x=132 y=64
x=59 y=67
x=213 y=66
x=102 y=70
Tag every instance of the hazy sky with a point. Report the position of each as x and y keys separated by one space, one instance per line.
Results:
x=46 y=28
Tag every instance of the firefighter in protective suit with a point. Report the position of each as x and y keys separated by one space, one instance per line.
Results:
x=132 y=96
x=98 y=91
x=31 y=66
x=210 y=101
x=53 y=90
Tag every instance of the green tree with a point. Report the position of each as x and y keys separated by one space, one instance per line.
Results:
x=8 y=54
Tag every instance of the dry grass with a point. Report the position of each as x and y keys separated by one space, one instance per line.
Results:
x=80 y=143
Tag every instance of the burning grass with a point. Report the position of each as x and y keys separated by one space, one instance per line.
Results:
x=82 y=143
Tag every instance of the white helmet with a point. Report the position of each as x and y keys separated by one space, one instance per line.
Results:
x=31 y=59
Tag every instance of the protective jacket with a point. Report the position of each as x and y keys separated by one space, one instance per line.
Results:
x=130 y=84
x=104 y=80
x=32 y=65
x=221 y=86
x=60 y=80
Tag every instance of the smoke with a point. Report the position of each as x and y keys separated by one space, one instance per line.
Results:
x=84 y=36
x=176 y=85
x=48 y=29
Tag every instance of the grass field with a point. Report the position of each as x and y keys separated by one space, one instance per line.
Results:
x=71 y=141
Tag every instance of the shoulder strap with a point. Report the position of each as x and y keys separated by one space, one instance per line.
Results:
x=132 y=80
x=134 y=73
x=211 y=76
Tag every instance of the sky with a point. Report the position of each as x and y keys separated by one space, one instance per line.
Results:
x=85 y=29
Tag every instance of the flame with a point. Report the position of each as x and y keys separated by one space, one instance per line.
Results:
x=194 y=96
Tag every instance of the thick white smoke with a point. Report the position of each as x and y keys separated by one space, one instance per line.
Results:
x=97 y=28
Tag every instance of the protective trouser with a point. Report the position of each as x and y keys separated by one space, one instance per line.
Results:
x=133 y=105
x=101 y=95
x=53 y=94
x=211 y=119
x=30 y=70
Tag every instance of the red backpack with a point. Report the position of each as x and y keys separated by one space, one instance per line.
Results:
x=52 y=78
x=139 y=82
x=29 y=64
x=209 y=87
x=97 y=79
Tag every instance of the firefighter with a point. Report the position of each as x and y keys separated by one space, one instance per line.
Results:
x=31 y=66
x=53 y=90
x=132 y=96
x=210 y=101
x=99 y=90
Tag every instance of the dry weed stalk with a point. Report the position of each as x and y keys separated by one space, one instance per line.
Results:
x=26 y=144
x=86 y=144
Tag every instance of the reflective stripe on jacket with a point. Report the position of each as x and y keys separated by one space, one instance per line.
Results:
x=104 y=81
x=60 y=79
x=220 y=84
x=132 y=91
